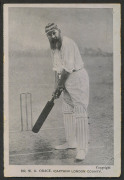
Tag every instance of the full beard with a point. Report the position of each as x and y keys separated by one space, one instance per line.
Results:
x=55 y=43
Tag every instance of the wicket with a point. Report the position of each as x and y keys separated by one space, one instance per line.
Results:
x=26 y=111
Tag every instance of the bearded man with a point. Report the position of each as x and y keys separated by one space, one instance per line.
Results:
x=72 y=77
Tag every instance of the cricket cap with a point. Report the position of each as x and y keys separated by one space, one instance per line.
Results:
x=50 y=27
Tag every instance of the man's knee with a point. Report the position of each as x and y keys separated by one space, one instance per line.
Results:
x=67 y=109
x=80 y=111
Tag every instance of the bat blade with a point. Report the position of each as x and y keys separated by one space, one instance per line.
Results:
x=43 y=116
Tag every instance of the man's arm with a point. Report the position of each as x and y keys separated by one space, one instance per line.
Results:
x=61 y=83
x=56 y=80
x=62 y=80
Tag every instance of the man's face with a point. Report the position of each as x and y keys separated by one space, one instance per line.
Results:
x=55 y=34
x=55 y=39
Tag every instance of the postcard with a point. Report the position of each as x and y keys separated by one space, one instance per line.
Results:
x=62 y=100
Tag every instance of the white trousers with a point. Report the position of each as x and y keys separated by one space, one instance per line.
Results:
x=75 y=103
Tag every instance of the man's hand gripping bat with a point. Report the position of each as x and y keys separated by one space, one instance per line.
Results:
x=50 y=103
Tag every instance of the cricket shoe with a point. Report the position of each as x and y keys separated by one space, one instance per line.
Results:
x=66 y=146
x=80 y=154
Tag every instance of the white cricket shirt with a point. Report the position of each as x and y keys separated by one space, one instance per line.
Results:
x=68 y=57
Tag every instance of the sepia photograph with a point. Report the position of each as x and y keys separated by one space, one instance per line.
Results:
x=62 y=90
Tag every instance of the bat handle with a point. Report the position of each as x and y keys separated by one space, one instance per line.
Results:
x=52 y=100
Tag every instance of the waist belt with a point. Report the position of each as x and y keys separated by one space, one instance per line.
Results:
x=74 y=70
x=77 y=70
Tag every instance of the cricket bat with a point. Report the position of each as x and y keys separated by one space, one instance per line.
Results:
x=45 y=112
